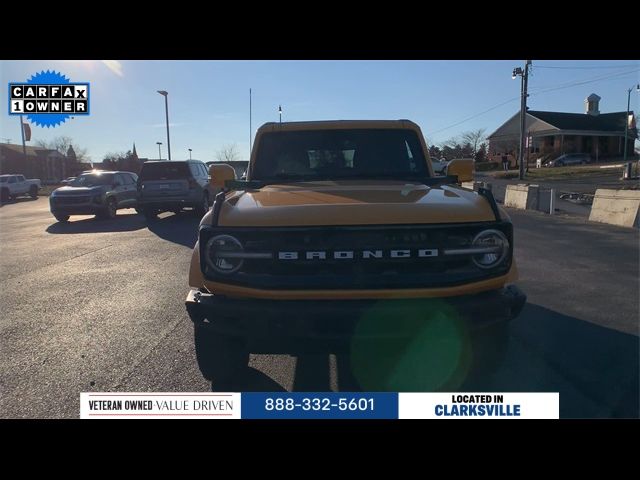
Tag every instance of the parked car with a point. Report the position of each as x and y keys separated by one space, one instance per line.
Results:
x=12 y=186
x=569 y=159
x=98 y=192
x=300 y=255
x=173 y=185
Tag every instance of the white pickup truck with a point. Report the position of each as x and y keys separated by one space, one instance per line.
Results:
x=12 y=186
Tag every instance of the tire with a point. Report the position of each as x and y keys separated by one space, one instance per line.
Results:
x=203 y=208
x=111 y=209
x=33 y=191
x=490 y=347
x=220 y=358
x=4 y=195
x=62 y=218
x=150 y=214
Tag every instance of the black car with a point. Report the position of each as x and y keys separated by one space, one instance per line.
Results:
x=99 y=193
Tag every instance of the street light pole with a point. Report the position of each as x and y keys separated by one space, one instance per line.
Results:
x=165 y=94
x=189 y=154
x=523 y=111
x=626 y=121
x=159 y=153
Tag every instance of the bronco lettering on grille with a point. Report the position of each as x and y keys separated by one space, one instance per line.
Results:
x=364 y=254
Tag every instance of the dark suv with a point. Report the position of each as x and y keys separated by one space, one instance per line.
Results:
x=174 y=185
x=95 y=192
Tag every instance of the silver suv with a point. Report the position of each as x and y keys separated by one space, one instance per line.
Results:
x=173 y=185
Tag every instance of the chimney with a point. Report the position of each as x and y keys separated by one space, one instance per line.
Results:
x=592 y=105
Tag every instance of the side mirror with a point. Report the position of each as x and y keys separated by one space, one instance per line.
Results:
x=219 y=174
x=462 y=168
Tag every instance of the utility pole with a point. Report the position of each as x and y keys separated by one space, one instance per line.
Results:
x=523 y=116
x=626 y=121
x=250 y=113
x=165 y=94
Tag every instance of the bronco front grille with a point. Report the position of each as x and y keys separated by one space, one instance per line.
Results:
x=355 y=257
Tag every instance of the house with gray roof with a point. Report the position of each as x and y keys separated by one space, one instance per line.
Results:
x=554 y=133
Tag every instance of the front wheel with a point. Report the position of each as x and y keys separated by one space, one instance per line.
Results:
x=62 y=218
x=150 y=214
x=204 y=206
x=110 y=210
x=221 y=358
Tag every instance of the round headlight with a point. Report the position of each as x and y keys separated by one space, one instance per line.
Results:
x=496 y=247
x=224 y=254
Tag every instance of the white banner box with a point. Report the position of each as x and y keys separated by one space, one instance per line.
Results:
x=489 y=405
x=160 y=405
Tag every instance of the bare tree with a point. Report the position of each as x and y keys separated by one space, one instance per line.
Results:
x=474 y=138
x=228 y=153
x=62 y=144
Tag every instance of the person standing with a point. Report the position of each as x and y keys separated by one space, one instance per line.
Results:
x=505 y=162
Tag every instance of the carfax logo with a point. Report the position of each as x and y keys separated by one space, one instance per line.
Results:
x=48 y=98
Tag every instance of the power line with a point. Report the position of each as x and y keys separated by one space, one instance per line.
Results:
x=573 y=82
x=584 y=82
x=589 y=67
x=474 y=116
x=544 y=90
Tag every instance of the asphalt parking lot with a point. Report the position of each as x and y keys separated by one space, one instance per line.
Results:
x=97 y=305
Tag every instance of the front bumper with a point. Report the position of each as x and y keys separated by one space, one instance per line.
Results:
x=81 y=209
x=281 y=325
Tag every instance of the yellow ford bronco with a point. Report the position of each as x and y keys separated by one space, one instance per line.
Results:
x=342 y=231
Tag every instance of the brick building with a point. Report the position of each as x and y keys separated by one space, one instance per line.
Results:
x=554 y=133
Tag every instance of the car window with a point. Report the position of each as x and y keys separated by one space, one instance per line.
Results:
x=20 y=178
x=128 y=179
x=205 y=173
x=164 y=171
x=93 y=180
x=194 y=170
x=3 y=179
x=12 y=179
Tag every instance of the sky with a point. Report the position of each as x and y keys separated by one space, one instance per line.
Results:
x=209 y=100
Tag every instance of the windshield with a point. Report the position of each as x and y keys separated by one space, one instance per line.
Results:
x=340 y=154
x=92 y=180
